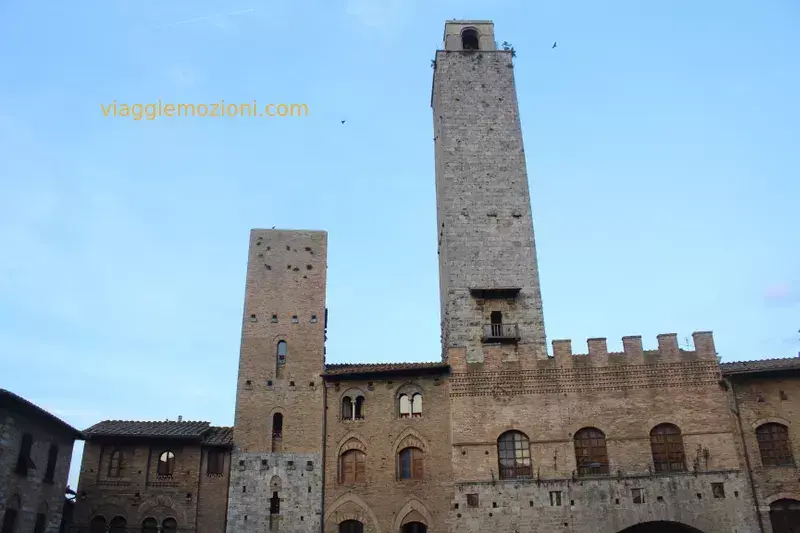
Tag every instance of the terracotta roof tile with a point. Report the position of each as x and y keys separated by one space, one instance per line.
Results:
x=135 y=428
x=763 y=365
x=374 y=368
x=218 y=436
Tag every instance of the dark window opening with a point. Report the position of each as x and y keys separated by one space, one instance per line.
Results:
x=638 y=495
x=415 y=527
x=277 y=432
x=166 y=464
x=52 y=459
x=496 y=320
x=169 y=524
x=115 y=464
x=514 y=455
x=351 y=526
x=275 y=504
x=472 y=500
x=282 y=349
x=24 y=461
x=469 y=39
x=410 y=465
x=149 y=525
x=784 y=515
x=41 y=523
x=9 y=520
x=352 y=467
x=774 y=445
x=718 y=490
x=347 y=408
x=97 y=525
x=274 y=318
x=666 y=444
x=591 y=456
x=118 y=525
x=216 y=462
x=359 y=415
x=555 y=498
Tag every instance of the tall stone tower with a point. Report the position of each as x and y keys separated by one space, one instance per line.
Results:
x=489 y=281
x=276 y=465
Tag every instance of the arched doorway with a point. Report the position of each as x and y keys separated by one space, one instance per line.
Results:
x=660 y=527
x=785 y=516
x=414 y=527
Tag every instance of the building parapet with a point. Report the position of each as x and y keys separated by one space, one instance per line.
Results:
x=633 y=353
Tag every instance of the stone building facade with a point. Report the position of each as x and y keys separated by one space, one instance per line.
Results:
x=35 y=456
x=500 y=433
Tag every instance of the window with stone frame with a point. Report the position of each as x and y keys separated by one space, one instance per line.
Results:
x=215 y=462
x=514 y=455
x=166 y=464
x=591 y=455
x=52 y=459
x=116 y=464
x=774 y=445
x=410 y=405
x=666 y=444
x=352 y=467
x=410 y=464
x=353 y=406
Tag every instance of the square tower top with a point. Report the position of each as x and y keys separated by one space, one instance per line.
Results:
x=469 y=35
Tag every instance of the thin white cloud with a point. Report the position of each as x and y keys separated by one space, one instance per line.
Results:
x=217 y=17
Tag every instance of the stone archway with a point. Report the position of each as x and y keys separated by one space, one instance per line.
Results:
x=660 y=527
x=784 y=515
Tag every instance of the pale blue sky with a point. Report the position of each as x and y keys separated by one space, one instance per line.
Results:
x=662 y=144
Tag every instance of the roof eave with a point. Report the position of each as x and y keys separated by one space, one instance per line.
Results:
x=361 y=373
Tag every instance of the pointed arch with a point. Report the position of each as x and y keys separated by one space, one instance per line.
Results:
x=418 y=508
x=351 y=441
x=362 y=512
x=410 y=438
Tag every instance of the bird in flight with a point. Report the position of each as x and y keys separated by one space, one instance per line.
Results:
x=343 y=122
x=554 y=45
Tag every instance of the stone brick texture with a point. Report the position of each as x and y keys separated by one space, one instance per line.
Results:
x=31 y=494
x=195 y=499
x=384 y=501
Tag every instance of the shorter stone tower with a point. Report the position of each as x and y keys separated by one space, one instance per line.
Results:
x=276 y=472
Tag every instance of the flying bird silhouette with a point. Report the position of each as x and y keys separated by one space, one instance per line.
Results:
x=343 y=122
x=554 y=45
x=273 y=227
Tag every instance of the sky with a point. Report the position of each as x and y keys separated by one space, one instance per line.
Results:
x=662 y=151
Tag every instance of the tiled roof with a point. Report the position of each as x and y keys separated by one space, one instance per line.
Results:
x=374 y=368
x=8 y=398
x=133 y=428
x=218 y=436
x=764 y=365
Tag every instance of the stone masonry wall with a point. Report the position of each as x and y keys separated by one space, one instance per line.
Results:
x=35 y=494
x=295 y=477
x=485 y=226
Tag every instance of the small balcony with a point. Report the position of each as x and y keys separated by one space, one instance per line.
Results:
x=500 y=333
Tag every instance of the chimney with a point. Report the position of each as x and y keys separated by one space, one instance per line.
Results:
x=180 y=418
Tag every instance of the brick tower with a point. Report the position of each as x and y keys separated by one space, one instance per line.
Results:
x=488 y=275
x=276 y=474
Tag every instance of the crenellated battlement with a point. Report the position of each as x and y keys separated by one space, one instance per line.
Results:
x=633 y=353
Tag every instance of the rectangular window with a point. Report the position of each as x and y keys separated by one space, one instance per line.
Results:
x=472 y=500
x=216 y=462
x=718 y=490
x=41 y=523
x=638 y=495
x=555 y=498
x=9 y=520
x=52 y=458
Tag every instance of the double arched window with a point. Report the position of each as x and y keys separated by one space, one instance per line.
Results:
x=514 y=455
x=353 y=406
x=410 y=405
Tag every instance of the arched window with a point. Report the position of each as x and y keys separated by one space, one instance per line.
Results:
x=353 y=467
x=469 y=39
x=416 y=405
x=282 y=348
x=277 y=426
x=590 y=452
x=166 y=463
x=118 y=525
x=514 y=455
x=351 y=526
x=97 y=525
x=784 y=515
x=149 y=525
x=347 y=408
x=409 y=464
x=774 y=445
x=115 y=464
x=169 y=525
x=24 y=461
x=666 y=443
x=359 y=414
x=405 y=406
x=52 y=459
x=415 y=527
